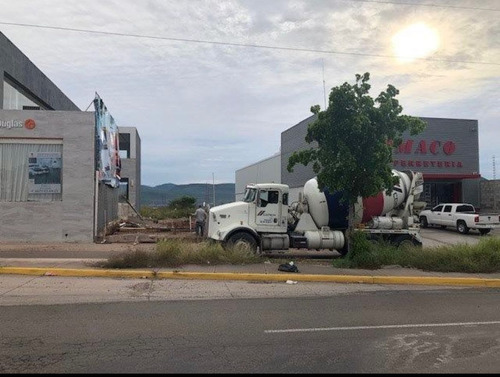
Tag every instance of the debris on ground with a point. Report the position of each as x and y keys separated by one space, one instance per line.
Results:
x=288 y=267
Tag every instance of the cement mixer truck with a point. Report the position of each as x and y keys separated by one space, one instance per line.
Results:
x=265 y=221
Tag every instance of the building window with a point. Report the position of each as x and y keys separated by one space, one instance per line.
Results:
x=16 y=98
x=30 y=172
x=123 y=193
x=124 y=146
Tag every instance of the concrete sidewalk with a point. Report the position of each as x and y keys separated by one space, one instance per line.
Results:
x=65 y=260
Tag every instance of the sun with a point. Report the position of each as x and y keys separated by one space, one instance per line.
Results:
x=415 y=41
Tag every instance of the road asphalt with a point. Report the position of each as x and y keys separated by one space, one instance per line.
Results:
x=66 y=260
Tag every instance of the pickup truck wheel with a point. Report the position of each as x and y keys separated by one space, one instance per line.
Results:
x=423 y=221
x=484 y=231
x=462 y=227
x=242 y=241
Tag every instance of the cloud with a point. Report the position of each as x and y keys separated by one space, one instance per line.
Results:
x=204 y=109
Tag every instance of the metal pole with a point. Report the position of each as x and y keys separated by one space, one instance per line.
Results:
x=213 y=180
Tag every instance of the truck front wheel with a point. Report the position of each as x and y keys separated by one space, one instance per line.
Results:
x=462 y=227
x=242 y=241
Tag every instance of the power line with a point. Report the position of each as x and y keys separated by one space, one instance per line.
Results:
x=425 y=5
x=297 y=49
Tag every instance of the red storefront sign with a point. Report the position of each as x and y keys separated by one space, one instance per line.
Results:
x=438 y=150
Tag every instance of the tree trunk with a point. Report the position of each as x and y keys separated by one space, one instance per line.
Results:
x=350 y=226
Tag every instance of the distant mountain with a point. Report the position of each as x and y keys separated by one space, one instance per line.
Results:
x=163 y=194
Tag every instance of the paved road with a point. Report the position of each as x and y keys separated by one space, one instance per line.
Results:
x=55 y=324
x=357 y=330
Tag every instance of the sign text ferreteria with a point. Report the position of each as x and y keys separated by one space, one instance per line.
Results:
x=432 y=148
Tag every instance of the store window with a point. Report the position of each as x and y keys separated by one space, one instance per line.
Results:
x=30 y=171
x=16 y=98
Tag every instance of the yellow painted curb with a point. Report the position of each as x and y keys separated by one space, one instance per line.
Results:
x=37 y=271
x=359 y=279
x=264 y=277
x=426 y=280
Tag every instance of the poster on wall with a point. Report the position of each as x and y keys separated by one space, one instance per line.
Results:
x=44 y=172
x=107 y=145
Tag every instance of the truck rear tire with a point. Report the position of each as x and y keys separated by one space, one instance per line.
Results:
x=242 y=241
x=462 y=227
x=484 y=231
x=405 y=240
x=344 y=250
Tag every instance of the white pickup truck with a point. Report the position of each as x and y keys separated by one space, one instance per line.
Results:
x=461 y=216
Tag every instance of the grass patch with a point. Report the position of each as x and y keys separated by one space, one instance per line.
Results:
x=483 y=257
x=175 y=253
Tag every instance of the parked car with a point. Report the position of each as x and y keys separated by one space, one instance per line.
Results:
x=462 y=216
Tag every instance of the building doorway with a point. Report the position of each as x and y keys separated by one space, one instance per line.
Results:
x=442 y=192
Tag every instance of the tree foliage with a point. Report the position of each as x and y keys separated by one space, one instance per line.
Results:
x=184 y=202
x=355 y=137
x=178 y=208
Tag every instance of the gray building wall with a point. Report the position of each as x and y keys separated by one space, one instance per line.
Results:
x=293 y=139
x=447 y=150
x=265 y=171
x=458 y=136
x=107 y=204
x=16 y=66
x=131 y=169
x=471 y=192
x=490 y=195
x=72 y=218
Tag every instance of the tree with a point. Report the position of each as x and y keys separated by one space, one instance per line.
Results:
x=355 y=138
x=184 y=202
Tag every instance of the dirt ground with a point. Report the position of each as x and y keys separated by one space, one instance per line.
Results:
x=139 y=231
x=127 y=235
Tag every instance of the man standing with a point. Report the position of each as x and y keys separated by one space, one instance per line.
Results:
x=200 y=217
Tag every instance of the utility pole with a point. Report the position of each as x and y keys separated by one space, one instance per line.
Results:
x=213 y=180
x=495 y=185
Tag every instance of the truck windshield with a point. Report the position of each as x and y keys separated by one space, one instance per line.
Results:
x=249 y=195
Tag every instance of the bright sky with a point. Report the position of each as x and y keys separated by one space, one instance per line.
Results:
x=205 y=110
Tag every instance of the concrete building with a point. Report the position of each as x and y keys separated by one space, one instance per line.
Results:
x=50 y=189
x=447 y=153
x=490 y=195
x=265 y=171
x=130 y=182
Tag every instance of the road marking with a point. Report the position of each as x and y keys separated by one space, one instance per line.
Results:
x=383 y=327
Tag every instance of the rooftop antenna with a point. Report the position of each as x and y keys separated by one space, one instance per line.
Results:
x=324 y=87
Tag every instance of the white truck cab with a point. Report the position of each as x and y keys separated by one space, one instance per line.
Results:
x=264 y=209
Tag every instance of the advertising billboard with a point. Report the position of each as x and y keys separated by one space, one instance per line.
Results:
x=107 y=145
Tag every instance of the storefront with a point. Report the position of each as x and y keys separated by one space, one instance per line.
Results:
x=47 y=176
x=446 y=152
x=54 y=159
